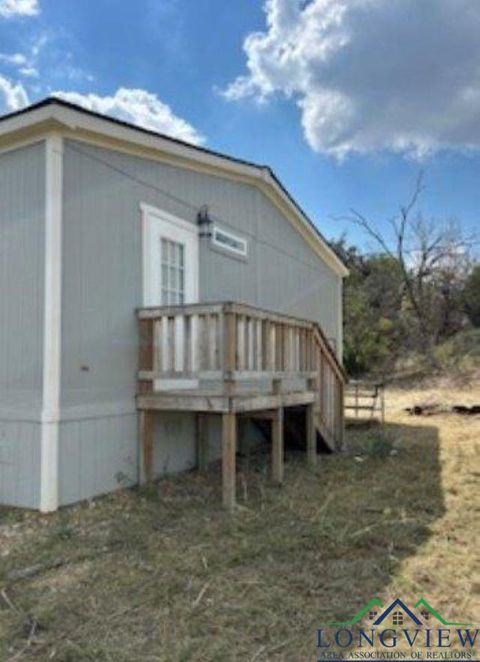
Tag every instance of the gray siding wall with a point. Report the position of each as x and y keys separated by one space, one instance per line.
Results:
x=102 y=287
x=22 y=237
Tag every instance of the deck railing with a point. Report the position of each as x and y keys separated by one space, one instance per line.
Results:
x=181 y=346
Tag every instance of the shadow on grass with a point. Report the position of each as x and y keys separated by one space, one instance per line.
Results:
x=383 y=498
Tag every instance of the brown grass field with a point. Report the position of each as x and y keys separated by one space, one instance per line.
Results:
x=165 y=575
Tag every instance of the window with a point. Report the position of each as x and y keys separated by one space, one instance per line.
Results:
x=371 y=615
x=397 y=618
x=230 y=242
x=173 y=272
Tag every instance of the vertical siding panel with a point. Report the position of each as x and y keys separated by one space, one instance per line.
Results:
x=22 y=216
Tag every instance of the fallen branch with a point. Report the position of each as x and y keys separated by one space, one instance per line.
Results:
x=33 y=570
x=431 y=409
x=40 y=568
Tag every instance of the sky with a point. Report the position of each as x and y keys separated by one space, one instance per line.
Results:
x=347 y=100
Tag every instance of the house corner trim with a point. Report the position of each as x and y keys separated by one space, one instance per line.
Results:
x=340 y=321
x=49 y=457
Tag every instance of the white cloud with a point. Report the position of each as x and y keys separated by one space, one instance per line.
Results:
x=29 y=72
x=139 y=107
x=9 y=8
x=370 y=75
x=15 y=59
x=25 y=66
x=13 y=96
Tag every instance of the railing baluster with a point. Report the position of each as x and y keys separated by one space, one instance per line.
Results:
x=296 y=353
x=171 y=344
x=281 y=347
x=179 y=339
x=292 y=349
x=194 y=340
x=218 y=343
x=251 y=344
x=301 y=350
x=187 y=345
x=266 y=349
x=203 y=342
x=241 y=342
x=273 y=347
x=212 y=341
x=230 y=350
x=259 y=346
x=164 y=341
x=157 y=347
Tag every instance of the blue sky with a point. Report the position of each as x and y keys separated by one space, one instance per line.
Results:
x=326 y=92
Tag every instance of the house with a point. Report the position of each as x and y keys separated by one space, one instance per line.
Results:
x=399 y=612
x=155 y=297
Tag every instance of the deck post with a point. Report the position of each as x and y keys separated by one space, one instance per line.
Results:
x=229 y=448
x=146 y=430
x=202 y=443
x=311 y=437
x=229 y=351
x=382 y=391
x=277 y=447
x=341 y=416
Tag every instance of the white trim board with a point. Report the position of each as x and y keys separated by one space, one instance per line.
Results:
x=52 y=343
x=157 y=222
x=340 y=320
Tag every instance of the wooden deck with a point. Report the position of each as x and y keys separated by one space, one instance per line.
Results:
x=233 y=360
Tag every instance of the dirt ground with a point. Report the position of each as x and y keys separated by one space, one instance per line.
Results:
x=163 y=574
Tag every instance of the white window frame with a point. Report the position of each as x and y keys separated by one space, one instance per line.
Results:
x=157 y=222
x=226 y=247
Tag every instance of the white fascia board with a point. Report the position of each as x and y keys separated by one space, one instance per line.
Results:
x=308 y=232
x=74 y=119
x=26 y=120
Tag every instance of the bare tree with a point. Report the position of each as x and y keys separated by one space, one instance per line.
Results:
x=432 y=255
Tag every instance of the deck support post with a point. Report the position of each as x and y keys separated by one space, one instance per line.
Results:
x=341 y=417
x=277 y=447
x=229 y=448
x=202 y=443
x=146 y=425
x=311 y=437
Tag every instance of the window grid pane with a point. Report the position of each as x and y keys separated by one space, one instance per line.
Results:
x=172 y=272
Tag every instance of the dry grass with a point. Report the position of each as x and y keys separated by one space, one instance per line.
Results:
x=165 y=575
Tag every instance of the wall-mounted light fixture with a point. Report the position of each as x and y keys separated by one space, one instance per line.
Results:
x=204 y=222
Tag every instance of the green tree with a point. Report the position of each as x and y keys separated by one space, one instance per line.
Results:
x=372 y=306
x=471 y=296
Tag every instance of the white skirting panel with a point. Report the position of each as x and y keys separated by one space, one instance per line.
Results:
x=96 y=456
x=20 y=463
